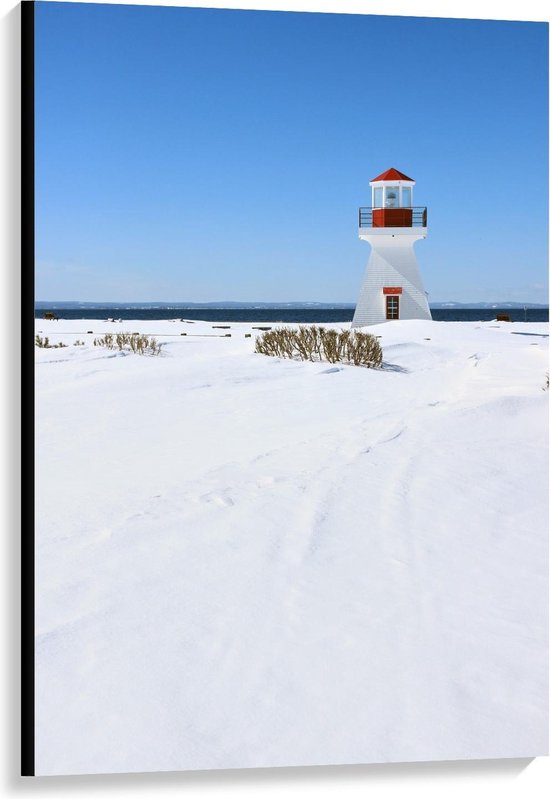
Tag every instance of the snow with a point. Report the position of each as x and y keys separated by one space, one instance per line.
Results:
x=244 y=561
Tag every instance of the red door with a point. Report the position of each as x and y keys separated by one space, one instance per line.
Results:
x=392 y=306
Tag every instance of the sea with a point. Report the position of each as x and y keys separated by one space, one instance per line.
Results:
x=290 y=315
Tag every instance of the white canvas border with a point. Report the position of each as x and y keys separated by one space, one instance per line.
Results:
x=507 y=778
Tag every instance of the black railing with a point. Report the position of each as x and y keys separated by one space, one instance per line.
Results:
x=397 y=217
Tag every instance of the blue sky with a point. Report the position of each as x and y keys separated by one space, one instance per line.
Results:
x=202 y=154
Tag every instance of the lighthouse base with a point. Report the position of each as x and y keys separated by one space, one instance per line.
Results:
x=392 y=287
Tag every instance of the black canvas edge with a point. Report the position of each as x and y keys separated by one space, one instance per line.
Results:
x=27 y=369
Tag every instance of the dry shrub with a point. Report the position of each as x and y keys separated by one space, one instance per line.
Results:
x=314 y=343
x=45 y=342
x=134 y=342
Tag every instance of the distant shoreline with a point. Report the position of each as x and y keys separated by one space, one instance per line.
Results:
x=229 y=305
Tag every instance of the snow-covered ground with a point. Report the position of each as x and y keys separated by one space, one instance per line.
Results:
x=243 y=561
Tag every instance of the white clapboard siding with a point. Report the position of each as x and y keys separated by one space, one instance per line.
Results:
x=392 y=263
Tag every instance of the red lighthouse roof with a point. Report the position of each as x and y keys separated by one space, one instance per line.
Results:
x=392 y=174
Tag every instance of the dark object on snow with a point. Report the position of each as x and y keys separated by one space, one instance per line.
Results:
x=261 y=328
x=223 y=327
x=503 y=317
x=50 y=315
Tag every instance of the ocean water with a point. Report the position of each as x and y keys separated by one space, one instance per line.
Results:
x=291 y=315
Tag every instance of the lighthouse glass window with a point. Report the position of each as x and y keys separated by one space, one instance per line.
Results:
x=392 y=197
x=406 y=196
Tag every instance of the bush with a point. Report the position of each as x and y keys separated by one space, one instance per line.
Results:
x=314 y=343
x=135 y=342
x=45 y=342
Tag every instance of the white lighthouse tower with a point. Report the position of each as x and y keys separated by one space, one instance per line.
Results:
x=392 y=288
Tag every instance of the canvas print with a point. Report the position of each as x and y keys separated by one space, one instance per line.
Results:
x=291 y=388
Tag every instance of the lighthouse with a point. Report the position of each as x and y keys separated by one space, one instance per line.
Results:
x=392 y=287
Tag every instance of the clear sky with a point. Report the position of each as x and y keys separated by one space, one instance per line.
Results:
x=203 y=154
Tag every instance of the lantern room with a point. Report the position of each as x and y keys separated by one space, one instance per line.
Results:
x=392 y=199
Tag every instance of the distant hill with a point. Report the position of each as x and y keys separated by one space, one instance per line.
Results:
x=183 y=305
x=503 y=304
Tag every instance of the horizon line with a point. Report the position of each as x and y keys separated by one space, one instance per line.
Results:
x=280 y=303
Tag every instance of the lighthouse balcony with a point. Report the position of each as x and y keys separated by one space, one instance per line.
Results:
x=393 y=217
